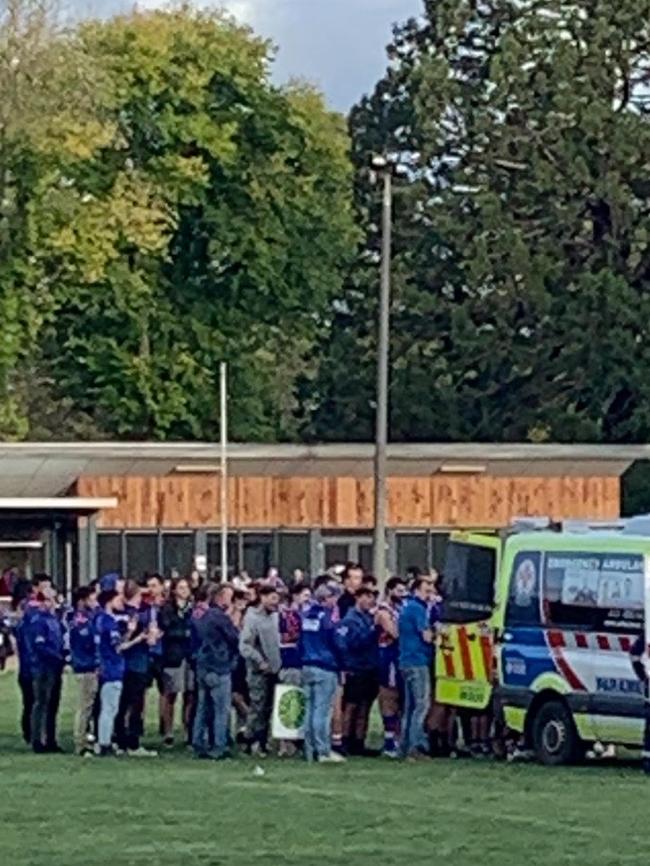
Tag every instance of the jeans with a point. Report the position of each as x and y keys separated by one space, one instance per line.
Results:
x=213 y=707
x=417 y=697
x=27 y=692
x=320 y=688
x=110 y=704
x=87 y=684
x=47 y=697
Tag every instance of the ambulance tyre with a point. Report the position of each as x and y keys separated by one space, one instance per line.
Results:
x=555 y=738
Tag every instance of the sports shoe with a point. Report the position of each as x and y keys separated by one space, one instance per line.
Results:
x=168 y=742
x=258 y=751
x=141 y=752
x=390 y=753
x=332 y=758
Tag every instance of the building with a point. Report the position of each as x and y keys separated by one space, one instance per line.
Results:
x=80 y=510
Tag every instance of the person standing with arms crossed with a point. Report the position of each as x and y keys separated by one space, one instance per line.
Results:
x=415 y=660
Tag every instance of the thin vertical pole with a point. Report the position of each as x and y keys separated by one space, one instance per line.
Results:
x=381 y=438
x=224 y=469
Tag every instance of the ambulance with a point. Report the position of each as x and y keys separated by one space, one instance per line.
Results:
x=549 y=637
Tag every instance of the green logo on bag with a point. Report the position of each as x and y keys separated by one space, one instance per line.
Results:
x=291 y=709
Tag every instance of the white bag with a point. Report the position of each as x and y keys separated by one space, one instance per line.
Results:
x=288 y=722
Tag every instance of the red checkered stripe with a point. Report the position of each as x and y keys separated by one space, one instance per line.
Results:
x=572 y=640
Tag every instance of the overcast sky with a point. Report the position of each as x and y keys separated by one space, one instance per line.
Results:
x=337 y=44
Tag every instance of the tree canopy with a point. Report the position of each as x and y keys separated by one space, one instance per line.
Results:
x=170 y=208
x=522 y=264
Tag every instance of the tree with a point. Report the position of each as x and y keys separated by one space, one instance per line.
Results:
x=215 y=225
x=522 y=257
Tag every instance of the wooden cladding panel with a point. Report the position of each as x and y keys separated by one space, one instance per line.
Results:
x=347 y=503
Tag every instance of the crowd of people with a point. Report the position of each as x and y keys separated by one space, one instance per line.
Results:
x=214 y=652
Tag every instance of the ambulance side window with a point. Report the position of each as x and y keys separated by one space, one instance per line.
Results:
x=523 y=599
x=594 y=591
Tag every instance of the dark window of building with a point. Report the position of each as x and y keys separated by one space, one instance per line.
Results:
x=439 y=542
x=178 y=554
x=365 y=557
x=141 y=554
x=412 y=552
x=109 y=553
x=257 y=554
x=293 y=552
x=214 y=554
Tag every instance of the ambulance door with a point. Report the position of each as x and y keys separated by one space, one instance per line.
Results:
x=623 y=602
x=464 y=657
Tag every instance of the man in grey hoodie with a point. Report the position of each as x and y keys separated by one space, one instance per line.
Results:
x=259 y=644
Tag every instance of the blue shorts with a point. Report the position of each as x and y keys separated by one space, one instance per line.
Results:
x=389 y=675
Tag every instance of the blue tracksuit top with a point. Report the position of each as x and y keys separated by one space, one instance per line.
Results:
x=318 y=646
x=413 y=620
x=358 y=642
x=136 y=659
x=108 y=635
x=45 y=642
x=83 y=647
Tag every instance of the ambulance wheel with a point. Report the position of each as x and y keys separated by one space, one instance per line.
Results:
x=555 y=738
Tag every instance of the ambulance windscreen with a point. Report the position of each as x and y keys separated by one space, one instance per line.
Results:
x=470 y=574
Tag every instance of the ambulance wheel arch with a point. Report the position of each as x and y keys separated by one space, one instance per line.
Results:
x=551 y=730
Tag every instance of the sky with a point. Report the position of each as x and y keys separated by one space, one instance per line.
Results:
x=339 y=45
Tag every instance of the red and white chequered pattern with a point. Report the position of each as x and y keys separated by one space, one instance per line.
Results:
x=575 y=640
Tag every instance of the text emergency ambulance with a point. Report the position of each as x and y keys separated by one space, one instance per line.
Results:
x=553 y=629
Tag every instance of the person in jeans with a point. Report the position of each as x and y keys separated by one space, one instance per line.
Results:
x=320 y=672
x=111 y=644
x=358 y=642
x=129 y=725
x=415 y=660
x=217 y=648
x=259 y=644
x=84 y=662
x=45 y=639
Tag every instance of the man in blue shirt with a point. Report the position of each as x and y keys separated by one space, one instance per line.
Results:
x=415 y=660
x=45 y=647
x=358 y=639
x=84 y=662
x=111 y=644
x=320 y=672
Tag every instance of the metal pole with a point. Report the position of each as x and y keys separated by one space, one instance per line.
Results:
x=224 y=470
x=381 y=437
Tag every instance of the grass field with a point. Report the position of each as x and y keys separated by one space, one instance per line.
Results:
x=174 y=811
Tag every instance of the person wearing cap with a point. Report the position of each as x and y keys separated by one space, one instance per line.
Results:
x=320 y=672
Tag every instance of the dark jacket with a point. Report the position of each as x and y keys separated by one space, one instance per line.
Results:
x=45 y=640
x=217 y=640
x=358 y=642
x=318 y=646
x=345 y=603
x=136 y=658
x=176 y=625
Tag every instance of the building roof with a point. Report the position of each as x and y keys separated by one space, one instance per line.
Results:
x=50 y=469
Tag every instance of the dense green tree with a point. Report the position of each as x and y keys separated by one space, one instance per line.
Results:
x=224 y=207
x=522 y=263
x=179 y=210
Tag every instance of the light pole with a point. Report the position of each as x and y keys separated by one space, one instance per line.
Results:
x=223 y=488
x=384 y=169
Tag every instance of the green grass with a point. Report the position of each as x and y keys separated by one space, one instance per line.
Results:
x=177 y=812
